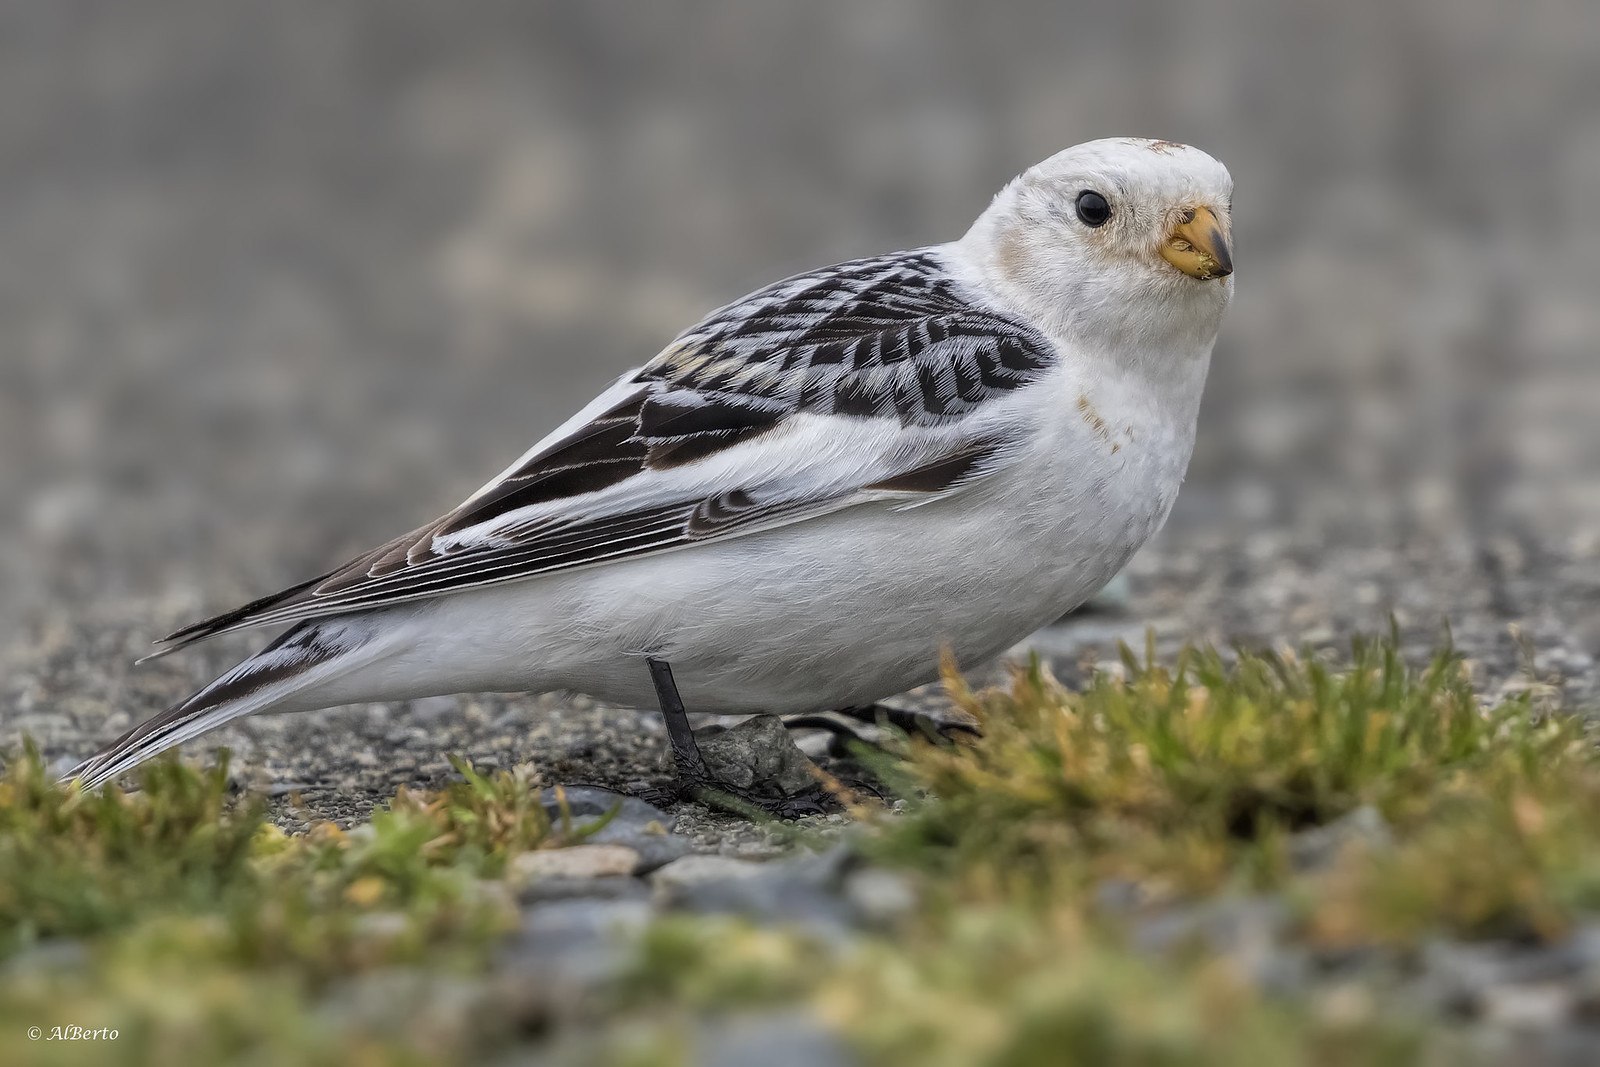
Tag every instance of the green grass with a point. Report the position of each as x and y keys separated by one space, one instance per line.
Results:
x=201 y=932
x=1186 y=783
x=180 y=916
x=1002 y=986
x=1192 y=778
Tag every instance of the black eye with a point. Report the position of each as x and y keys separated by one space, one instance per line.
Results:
x=1092 y=208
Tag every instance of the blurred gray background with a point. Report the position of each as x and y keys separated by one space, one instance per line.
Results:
x=279 y=280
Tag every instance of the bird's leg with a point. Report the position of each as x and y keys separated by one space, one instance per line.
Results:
x=946 y=723
x=690 y=765
x=695 y=780
x=939 y=724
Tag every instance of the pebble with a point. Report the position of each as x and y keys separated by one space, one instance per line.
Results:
x=642 y=827
x=691 y=872
x=757 y=755
x=574 y=861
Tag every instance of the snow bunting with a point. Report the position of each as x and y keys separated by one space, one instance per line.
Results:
x=811 y=492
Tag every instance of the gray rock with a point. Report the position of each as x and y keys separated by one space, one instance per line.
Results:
x=803 y=891
x=757 y=756
x=1506 y=980
x=559 y=926
x=691 y=872
x=566 y=950
x=574 y=861
x=642 y=827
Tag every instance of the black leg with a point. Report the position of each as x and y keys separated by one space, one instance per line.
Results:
x=685 y=753
x=947 y=723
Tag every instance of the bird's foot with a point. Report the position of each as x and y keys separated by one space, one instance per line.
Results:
x=879 y=725
x=752 y=767
x=724 y=796
x=754 y=764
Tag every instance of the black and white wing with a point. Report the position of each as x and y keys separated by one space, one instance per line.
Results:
x=863 y=381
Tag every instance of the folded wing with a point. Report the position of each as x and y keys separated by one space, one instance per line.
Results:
x=861 y=382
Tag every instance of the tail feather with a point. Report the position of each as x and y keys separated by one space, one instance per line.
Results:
x=306 y=657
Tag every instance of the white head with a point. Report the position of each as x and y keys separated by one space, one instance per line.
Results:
x=1121 y=245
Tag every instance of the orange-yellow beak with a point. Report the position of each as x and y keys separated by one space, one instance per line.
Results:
x=1198 y=245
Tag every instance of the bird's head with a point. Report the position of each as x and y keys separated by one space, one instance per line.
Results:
x=1123 y=241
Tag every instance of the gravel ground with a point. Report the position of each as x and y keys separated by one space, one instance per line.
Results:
x=71 y=684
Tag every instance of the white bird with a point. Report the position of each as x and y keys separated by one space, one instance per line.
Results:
x=812 y=491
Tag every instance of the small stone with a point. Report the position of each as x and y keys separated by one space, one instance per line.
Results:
x=757 y=756
x=692 y=871
x=574 y=861
x=572 y=948
x=879 y=897
x=566 y=924
x=640 y=826
x=802 y=891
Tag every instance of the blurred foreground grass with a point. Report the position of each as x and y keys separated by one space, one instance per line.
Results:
x=186 y=921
